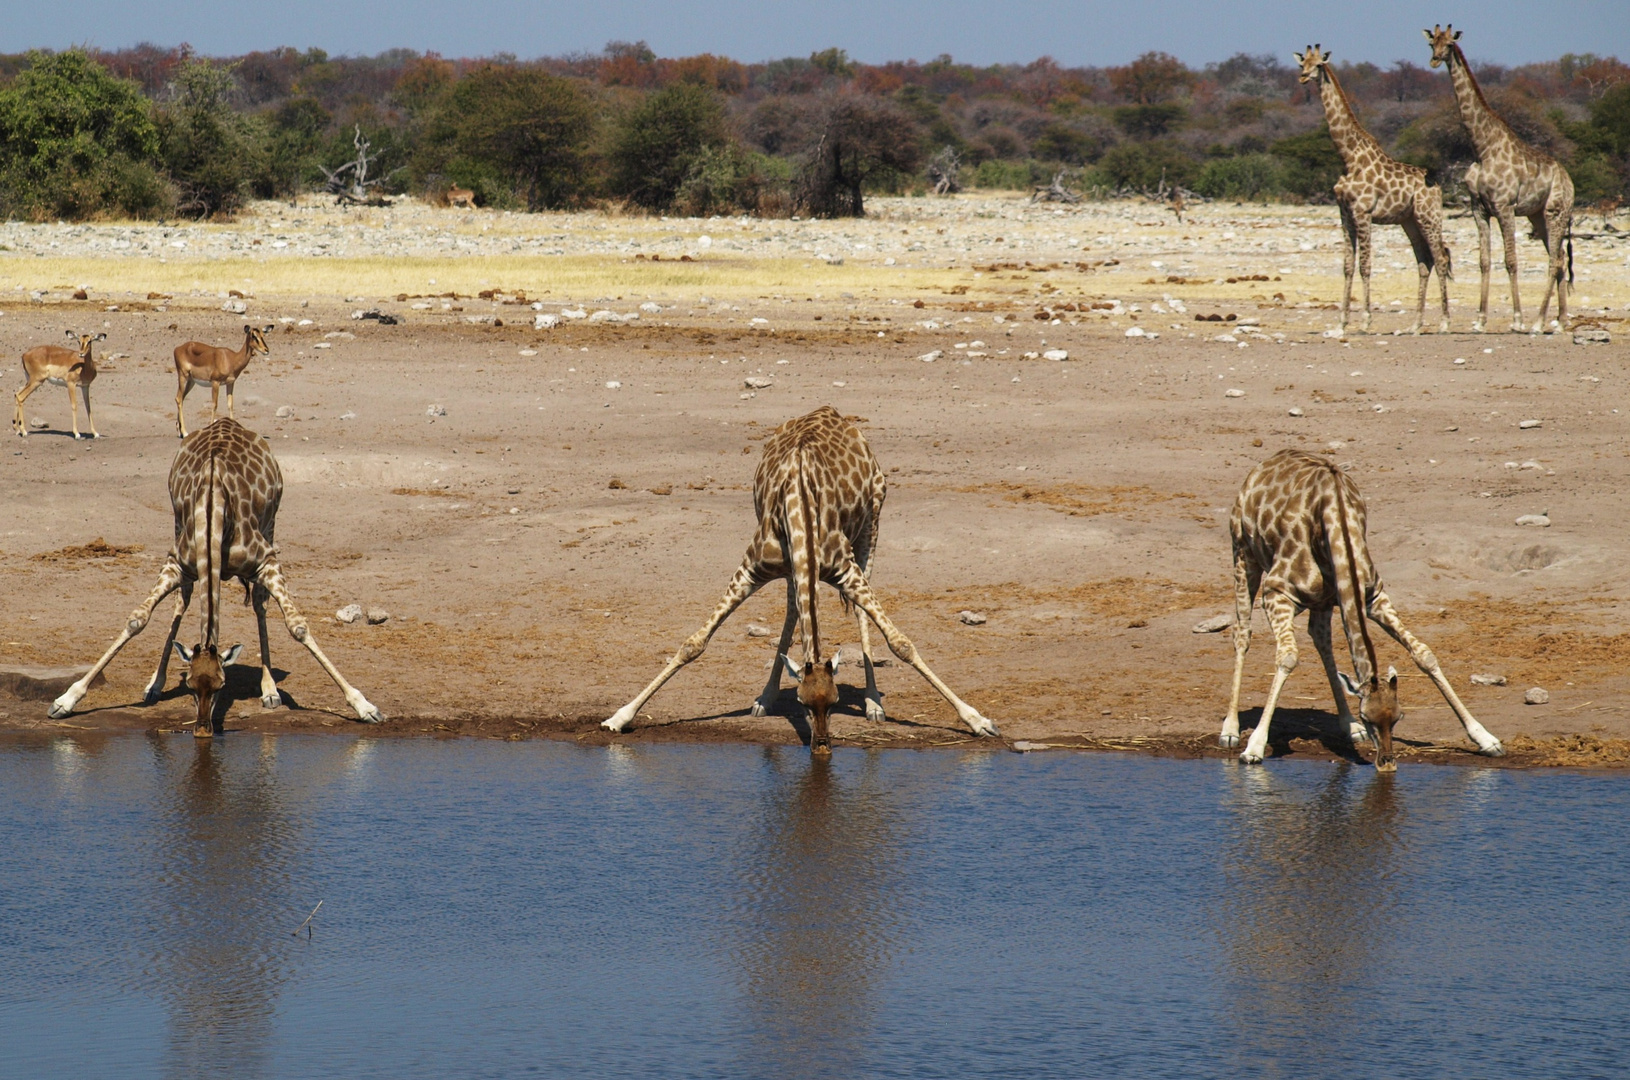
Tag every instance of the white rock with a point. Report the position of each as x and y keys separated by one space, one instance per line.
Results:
x=758 y=382
x=971 y=618
x=573 y=313
x=377 y=616
x=1214 y=624
x=529 y=352
x=1233 y=393
x=323 y=345
x=285 y=411
x=1296 y=410
x=1592 y=335
x=435 y=410
x=1136 y=331
x=348 y=614
x=1536 y=695
x=37 y=424
x=537 y=305
x=930 y=357
x=755 y=630
x=1527 y=424
x=1230 y=338
x=650 y=307
x=1056 y=354
x=1488 y=680
x=545 y=322
x=348 y=415
x=237 y=307
x=1542 y=521
x=614 y=385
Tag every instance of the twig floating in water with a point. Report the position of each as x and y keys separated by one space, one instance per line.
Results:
x=306 y=926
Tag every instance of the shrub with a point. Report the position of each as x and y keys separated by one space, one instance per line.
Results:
x=1145 y=165
x=1312 y=164
x=860 y=142
x=1149 y=121
x=660 y=143
x=1243 y=177
x=76 y=142
x=1007 y=175
x=213 y=152
x=295 y=147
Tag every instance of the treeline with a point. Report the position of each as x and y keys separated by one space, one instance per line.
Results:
x=150 y=132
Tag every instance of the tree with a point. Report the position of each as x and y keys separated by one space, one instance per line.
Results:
x=659 y=141
x=506 y=129
x=77 y=142
x=1151 y=78
x=859 y=141
x=213 y=152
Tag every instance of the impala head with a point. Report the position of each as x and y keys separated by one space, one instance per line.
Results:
x=84 y=341
x=206 y=674
x=256 y=339
x=817 y=692
x=1378 y=707
x=1442 y=39
x=1310 y=61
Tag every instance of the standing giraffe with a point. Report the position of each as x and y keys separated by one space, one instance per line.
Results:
x=1510 y=178
x=1298 y=528
x=1375 y=189
x=818 y=494
x=225 y=487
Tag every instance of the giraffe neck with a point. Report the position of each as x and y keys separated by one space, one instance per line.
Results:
x=1345 y=131
x=1487 y=130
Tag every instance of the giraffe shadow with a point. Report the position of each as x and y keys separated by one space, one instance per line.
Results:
x=1292 y=724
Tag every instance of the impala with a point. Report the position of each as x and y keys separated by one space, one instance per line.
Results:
x=64 y=367
x=196 y=362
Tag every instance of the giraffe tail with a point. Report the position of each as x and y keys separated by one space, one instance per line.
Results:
x=214 y=533
x=804 y=559
x=1447 y=262
x=1570 y=255
x=1353 y=606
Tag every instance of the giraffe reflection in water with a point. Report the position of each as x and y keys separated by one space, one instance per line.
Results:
x=222 y=952
x=1310 y=883
x=820 y=915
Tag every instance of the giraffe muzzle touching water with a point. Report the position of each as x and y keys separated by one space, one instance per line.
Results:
x=818 y=493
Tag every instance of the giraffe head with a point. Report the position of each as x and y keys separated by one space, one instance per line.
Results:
x=817 y=692
x=1312 y=63
x=206 y=674
x=1442 y=39
x=1379 y=709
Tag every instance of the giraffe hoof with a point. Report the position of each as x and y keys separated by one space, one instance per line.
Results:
x=273 y=700
x=1496 y=750
x=1248 y=757
x=875 y=713
x=758 y=709
x=618 y=720
x=151 y=695
x=62 y=708
x=1227 y=742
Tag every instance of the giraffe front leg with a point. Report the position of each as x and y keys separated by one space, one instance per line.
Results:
x=858 y=591
x=772 y=689
x=155 y=685
x=1281 y=610
x=270 y=697
x=874 y=700
x=168 y=579
x=1247 y=577
x=1349 y=250
x=1508 y=237
x=1382 y=611
x=1484 y=264
x=270 y=578
x=1364 y=248
x=743 y=583
x=1318 y=628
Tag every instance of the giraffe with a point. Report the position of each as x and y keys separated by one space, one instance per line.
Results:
x=1376 y=190
x=818 y=494
x=225 y=487
x=1510 y=178
x=1298 y=529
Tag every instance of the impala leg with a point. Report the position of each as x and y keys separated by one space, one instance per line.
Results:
x=214 y=400
x=1281 y=610
x=183 y=388
x=743 y=583
x=230 y=411
x=1382 y=611
x=85 y=392
x=155 y=685
x=168 y=579
x=269 y=696
x=858 y=591
x=17 y=420
x=73 y=411
x=270 y=578
x=1318 y=628
x=772 y=689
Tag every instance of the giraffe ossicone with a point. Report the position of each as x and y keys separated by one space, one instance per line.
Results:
x=225 y=487
x=1298 y=529
x=818 y=494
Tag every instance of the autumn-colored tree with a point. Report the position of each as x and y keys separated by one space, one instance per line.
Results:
x=1152 y=78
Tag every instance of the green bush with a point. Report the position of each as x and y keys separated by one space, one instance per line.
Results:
x=294 y=152
x=663 y=140
x=1006 y=175
x=1244 y=177
x=1150 y=121
x=213 y=152
x=1311 y=164
x=76 y=142
x=1145 y=165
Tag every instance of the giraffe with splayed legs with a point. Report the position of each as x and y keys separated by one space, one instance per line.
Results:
x=818 y=494
x=1376 y=190
x=1298 y=531
x=225 y=488
x=1508 y=180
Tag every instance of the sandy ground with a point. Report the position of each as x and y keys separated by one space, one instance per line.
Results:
x=1080 y=505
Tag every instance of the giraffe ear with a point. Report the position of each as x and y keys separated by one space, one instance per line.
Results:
x=182 y=651
x=1392 y=676
x=1327 y=55
x=1349 y=682
x=1457 y=35
x=832 y=664
x=230 y=655
x=1427 y=34
x=792 y=668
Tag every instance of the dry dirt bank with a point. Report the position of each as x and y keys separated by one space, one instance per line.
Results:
x=1080 y=505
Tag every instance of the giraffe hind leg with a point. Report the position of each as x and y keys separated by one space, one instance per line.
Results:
x=155 y=685
x=1247 y=579
x=1382 y=611
x=270 y=697
x=169 y=578
x=270 y=578
x=1281 y=610
x=772 y=689
x=1318 y=628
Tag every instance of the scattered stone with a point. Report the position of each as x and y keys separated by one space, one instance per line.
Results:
x=545 y=322
x=1488 y=680
x=348 y=614
x=1527 y=424
x=434 y=410
x=37 y=424
x=1214 y=624
x=1056 y=354
x=1233 y=393
x=377 y=615
x=614 y=385
x=1592 y=335
x=930 y=357
x=285 y=411
x=1136 y=331
x=650 y=307
x=236 y=307
x=616 y=484
x=1296 y=410
x=758 y=382
x=1542 y=521
x=1137 y=624
x=755 y=630
x=573 y=313
x=1536 y=695
x=971 y=618
x=348 y=415
x=1023 y=746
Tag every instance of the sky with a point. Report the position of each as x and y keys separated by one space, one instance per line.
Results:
x=1073 y=32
